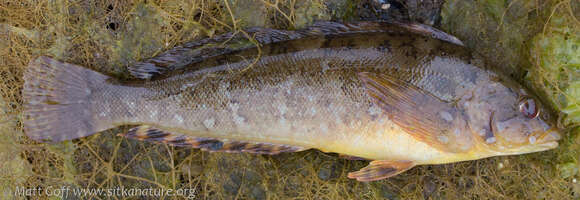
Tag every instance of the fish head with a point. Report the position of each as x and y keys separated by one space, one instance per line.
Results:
x=506 y=119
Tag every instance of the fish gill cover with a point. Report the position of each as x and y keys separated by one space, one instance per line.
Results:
x=535 y=41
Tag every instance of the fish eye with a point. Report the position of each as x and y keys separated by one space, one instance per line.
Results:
x=529 y=108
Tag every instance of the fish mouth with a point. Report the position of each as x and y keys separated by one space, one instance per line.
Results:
x=531 y=148
x=549 y=145
x=549 y=137
x=546 y=140
x=541 y=141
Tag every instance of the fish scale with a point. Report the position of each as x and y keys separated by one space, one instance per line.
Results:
x=396 y=93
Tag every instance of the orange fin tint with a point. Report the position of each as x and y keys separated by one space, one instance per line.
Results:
x=151 y=134
x=418 y=112
x=381 y=169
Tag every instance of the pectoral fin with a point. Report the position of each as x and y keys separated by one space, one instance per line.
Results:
x=157 y=135
x=381 y=169
x=418 y=112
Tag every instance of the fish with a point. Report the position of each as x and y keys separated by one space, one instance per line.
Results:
x=397 y=94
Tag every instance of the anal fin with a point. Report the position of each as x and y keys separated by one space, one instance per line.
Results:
x=156 y=135
x=381 y=169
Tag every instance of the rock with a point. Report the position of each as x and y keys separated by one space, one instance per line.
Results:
x=329 y=171
x=568 y=169
x=258 y=193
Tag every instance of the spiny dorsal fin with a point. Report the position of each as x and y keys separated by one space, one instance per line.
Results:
x=381 y=169
x=417 y=112
x=327 y=28
x=152 y=134
x=189 y=53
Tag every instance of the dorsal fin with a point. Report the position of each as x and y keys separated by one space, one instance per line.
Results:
x=328 y=28
x=196 y=51
x=193 y=52
x=156 y=135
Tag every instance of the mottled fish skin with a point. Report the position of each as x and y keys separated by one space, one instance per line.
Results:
x=403 y=94
x=303 y=92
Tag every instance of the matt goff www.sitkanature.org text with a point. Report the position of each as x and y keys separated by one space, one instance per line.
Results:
x=66 y=191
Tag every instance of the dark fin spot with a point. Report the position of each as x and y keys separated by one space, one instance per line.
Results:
x=209 y=144
x=155 y=135
x=236 y=146
x=187 y=55
x=178 y=141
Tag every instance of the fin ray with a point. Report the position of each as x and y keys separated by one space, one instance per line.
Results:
x=380 y=169
x=424 y=116
x=156 y=135
x=57 y=102
x=193 y=52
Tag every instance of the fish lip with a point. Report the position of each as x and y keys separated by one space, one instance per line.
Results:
x=551 y=145
x=548 y=145
x=550 y=136
x=542 y=147
x=531 y=149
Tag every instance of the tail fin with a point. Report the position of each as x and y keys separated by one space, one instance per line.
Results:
x=57 y=100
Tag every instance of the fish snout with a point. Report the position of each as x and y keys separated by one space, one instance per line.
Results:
x=552 y=135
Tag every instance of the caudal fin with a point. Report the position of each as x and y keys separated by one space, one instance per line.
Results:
x=57 y=100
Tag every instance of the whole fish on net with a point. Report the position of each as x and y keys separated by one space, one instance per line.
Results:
x=399 y=94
